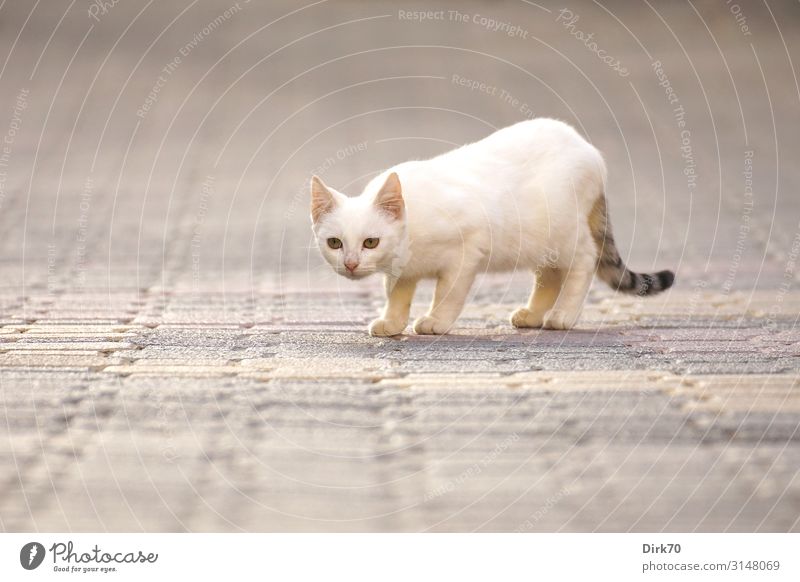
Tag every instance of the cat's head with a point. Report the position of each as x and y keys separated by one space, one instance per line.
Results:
x=361 y=235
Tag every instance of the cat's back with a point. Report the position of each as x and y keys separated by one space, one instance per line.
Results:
x=540 y=135
x=542 y=149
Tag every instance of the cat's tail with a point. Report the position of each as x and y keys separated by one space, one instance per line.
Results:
x=610 y=267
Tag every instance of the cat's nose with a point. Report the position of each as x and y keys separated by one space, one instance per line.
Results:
x=351 y=265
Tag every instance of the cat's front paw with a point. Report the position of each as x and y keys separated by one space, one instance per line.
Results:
x=524 y=317
x=386 y=327
x=427 y=325
x=559 y=319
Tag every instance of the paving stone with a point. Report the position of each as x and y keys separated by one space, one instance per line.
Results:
x=30 y=345
x=53 y=360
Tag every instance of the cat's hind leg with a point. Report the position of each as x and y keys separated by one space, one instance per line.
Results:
x=546 y=288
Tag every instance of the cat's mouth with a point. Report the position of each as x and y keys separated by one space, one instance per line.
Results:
x=355 y=275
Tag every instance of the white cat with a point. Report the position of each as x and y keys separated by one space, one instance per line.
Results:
x=529 y=196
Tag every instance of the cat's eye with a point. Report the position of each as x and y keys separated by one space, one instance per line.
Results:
x=334 y=243
x=371 y=243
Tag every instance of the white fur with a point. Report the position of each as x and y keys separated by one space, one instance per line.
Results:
x=518 y=199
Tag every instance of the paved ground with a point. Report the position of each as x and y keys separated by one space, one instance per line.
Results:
x=173 y=356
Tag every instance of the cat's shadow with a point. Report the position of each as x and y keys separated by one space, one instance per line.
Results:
x=581 y=335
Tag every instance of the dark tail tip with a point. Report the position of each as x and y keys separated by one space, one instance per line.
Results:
x=644 y=284
x=665 y=279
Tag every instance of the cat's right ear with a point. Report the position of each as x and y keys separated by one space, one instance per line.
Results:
x=322 y=199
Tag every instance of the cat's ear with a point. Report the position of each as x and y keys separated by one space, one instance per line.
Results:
x=322 y=199
x=390 y=197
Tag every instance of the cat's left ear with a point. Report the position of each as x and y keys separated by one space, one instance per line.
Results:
x=323 y=200
x=390 y=197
